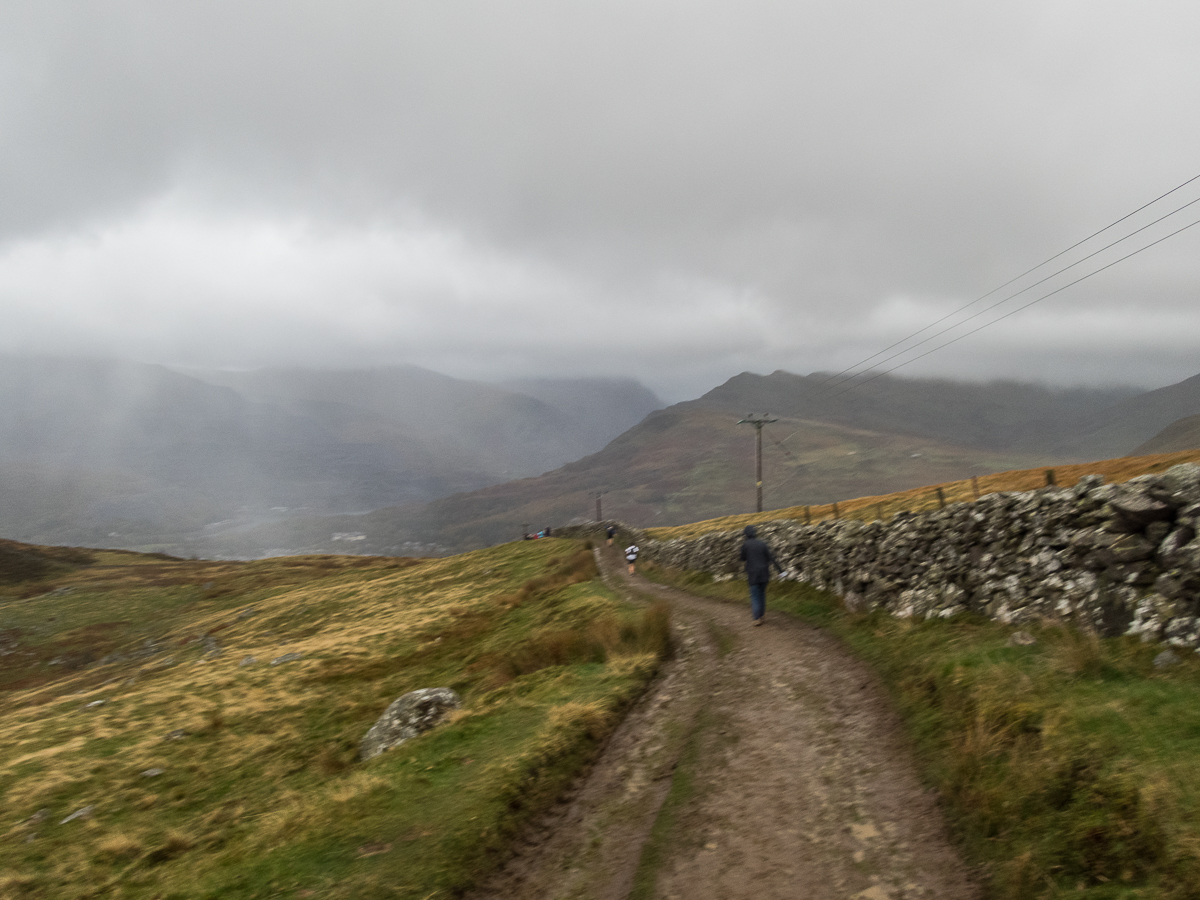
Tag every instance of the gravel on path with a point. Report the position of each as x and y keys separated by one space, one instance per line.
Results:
x=803 y=783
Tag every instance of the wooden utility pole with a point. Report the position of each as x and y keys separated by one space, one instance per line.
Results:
x=598 y=495
x=758 y=422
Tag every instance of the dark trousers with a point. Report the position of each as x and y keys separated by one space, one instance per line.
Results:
x=758 y=600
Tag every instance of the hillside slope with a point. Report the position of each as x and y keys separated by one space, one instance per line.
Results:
x=1182 y=434
x=680 y=464
x=998 y=416
x=693 y=461
x=495 y=431
x=131 y=455
x=191 y=729
x=1130 y=423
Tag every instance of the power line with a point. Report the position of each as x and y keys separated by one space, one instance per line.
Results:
x=1019 y=308
x=1014 y=279
x=828 y=381
x=1012 y=296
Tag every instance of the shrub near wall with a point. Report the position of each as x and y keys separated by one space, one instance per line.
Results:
x=1112 y=558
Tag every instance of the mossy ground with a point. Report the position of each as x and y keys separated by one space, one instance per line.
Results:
x=1068 y=767
x=260 y=792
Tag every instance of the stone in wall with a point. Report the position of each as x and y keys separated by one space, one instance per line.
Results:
x=1111 y=558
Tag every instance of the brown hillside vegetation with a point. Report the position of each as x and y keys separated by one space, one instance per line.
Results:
x=927 y=496
x=680 y=465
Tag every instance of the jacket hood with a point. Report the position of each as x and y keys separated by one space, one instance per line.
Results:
x=750 y=531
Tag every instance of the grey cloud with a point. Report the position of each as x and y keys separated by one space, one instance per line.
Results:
x=709 y=185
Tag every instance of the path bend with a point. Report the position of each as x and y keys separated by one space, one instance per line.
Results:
x=804 y=785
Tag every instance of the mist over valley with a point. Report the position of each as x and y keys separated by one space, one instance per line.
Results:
x=405 y=461
x=120 y=454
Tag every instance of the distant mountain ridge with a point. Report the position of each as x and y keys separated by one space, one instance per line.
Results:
x=405 y=461
x=126 y=454
x=997 y=415
x=1124 y=426
x=692 y=461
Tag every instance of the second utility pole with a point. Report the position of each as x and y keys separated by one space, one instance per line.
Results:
x=758 y=422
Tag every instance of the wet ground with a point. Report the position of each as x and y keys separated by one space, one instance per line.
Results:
x=793 y=779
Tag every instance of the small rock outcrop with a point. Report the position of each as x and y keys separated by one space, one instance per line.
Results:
x=414 y=713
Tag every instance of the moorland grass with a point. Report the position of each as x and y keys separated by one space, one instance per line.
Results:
x=210 y=778
x=1070 y=766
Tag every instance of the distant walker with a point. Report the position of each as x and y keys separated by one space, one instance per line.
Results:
x=758 y=559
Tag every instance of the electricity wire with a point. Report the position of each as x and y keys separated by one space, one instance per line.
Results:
x=1012 y=296
x=828 y=381
x=1022 y=307
x=1012 y=280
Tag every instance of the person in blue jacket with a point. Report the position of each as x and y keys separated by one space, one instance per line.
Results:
x=758 y=559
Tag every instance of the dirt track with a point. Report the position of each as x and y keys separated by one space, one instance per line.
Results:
x=803 y=784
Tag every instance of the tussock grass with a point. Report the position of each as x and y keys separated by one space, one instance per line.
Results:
x=210 y=778
x=1067 y=767
x=926 y=498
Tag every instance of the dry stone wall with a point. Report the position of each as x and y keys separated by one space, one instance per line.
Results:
x=1121 y=558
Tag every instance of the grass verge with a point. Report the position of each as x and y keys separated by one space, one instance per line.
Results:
x=1069 y=766
x=202 y=742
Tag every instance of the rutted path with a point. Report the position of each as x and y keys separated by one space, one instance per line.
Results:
x=803 y=784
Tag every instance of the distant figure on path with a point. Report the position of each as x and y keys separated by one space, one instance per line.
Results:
x=758 y=559
x=631 y=553
x=609 y=532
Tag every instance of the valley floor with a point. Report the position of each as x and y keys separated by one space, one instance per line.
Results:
x=766 y=763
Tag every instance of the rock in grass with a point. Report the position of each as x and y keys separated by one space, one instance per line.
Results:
x=1166 y=659
x=78 y=814
x=414 y=713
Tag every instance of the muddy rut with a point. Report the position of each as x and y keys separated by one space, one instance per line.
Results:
x=792 y=779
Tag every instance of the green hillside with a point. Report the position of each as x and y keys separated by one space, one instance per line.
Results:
x=189 y=729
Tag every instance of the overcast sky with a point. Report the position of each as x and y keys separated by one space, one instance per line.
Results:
x=676 y=191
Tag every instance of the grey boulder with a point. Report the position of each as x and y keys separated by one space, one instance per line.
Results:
x=413 y=714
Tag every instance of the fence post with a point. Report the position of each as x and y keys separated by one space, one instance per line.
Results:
x=941 y=498
x=835 y=510
x=975 y=485
x=1050 y=478
x=879 y=509
x=807 y=516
